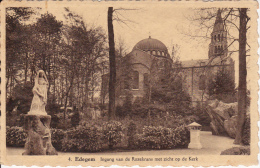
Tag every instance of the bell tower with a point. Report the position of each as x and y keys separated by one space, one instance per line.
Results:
x=218 y=44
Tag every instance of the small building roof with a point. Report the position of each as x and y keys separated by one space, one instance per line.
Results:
x=194 y=124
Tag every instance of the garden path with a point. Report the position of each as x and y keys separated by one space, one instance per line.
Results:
x=211 y=145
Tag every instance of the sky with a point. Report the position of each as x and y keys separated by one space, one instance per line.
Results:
x=164 y=22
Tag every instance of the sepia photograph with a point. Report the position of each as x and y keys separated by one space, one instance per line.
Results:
x=156 y=84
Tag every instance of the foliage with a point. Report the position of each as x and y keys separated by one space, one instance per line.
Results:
x=96 y=136
x=82 y=139
x=57 y=135
x=131 y=132
x=15 y=136
x=23 y=95
x=221 y=86
x=127 y=107
x=237 y=151
x=202 y=116
x=71 y=54
x=112 y=133
x=162 y=138
x=181 y=137
x=246 y=131
x=17 y=35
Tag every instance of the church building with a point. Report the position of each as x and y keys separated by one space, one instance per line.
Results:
x=197 y=73
x=149 y=59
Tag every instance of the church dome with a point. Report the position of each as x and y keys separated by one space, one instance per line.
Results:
x=152 y=45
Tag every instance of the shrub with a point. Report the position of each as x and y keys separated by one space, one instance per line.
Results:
x=112 y=133
x=200 y=111
x=131 y=131
x=57 y=135
x=181 y=137
x=237 y=151
x=162 y=138
x=15 y=136
x=82 y=139
x=246 y=131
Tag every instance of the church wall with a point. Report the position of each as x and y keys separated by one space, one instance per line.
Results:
x=191 y=78
x=142 y=70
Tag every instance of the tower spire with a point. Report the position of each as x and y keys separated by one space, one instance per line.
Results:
x=219 y=18
x=218 y=45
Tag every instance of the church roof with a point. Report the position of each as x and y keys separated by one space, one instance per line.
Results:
x=140 y=57
x=205 y=62
x=194 y=63
x=150 y=44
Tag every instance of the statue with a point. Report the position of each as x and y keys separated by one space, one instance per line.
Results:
x=37 y=121
x=39 y=94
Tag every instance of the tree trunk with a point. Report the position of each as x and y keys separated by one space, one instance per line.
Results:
x=112 y=65
x=242 y=76
x=26 y=68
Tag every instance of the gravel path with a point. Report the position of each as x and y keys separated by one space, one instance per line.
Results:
x=211 y=145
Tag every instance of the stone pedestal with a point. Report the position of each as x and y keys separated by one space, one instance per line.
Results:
x=194 y=136
x=38 y=131
x=195 y=139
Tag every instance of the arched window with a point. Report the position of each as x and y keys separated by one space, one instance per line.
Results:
x=222 y=37
x=162 y=53
x=216 y=49
x=221 y=50
x=202 y=82
x=146 y=80
x=215 y=38
x=136 y=80
x=218 y=37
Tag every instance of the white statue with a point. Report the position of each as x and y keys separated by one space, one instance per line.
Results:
x=39 y=94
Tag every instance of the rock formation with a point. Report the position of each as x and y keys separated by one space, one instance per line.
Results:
x=223 y=117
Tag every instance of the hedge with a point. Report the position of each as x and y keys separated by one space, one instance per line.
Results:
x=57 y=136
x=112 y=133
x=94 y=138
x=83 y=139
x=162 y=138
x=15 y=136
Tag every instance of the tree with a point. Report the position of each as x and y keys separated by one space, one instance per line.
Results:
x=83 y=50
x=242 y=89
x=46 y=38
x=112 y=65
x=16 y=41
x=221 y=85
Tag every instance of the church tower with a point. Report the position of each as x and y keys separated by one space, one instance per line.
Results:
x=218 y=44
